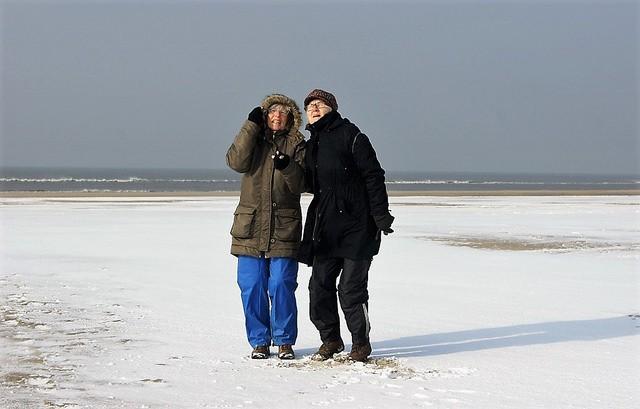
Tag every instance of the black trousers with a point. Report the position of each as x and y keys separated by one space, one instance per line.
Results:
x=353 y=294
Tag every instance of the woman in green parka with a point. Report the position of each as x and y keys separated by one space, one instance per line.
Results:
x=267 y=226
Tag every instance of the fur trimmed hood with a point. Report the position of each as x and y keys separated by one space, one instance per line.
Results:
x=269 y=100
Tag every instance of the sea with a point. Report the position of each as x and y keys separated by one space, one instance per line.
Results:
x=207 y=180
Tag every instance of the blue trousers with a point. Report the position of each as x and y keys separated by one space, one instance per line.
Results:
x=267 y=287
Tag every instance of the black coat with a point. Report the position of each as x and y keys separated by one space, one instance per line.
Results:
x=347 y=182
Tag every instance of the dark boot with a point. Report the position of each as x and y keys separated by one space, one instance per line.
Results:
x=327 y=349
x=286 y=352
x=260 y=352
x=360 y=352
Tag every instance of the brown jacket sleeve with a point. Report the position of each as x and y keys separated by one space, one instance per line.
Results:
x=240 y=153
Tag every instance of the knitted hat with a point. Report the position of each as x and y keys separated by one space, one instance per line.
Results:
x=324 y=96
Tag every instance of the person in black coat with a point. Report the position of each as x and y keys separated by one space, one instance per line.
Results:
x=349 y=210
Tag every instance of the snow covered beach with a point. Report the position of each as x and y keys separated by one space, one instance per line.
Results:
x=476 y=302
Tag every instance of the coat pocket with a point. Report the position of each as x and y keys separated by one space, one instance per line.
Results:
x=288 y=225
x=243 y=221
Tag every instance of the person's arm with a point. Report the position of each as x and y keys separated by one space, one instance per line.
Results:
x=373 y=176
x=240 y=153
x=292 y=170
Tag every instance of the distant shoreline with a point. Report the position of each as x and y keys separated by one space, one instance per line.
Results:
x=393 y=193
x=60 y=182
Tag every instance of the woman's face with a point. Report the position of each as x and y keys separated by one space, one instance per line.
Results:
x=316 y=109
x=277 y=116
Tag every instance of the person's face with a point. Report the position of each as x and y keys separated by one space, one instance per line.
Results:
x=316 y=110
x=277 y=116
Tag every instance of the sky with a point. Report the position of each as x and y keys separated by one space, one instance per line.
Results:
x=438 y=86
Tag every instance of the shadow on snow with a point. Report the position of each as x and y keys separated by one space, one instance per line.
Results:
x=511 y=336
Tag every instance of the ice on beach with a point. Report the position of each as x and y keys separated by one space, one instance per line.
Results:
x=478 y=302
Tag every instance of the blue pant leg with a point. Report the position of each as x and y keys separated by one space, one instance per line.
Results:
x=284 y=311
x=253 y=276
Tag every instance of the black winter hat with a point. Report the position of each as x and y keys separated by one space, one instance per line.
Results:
x=324 y=96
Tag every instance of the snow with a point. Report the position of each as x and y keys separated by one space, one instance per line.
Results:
x=475 y=302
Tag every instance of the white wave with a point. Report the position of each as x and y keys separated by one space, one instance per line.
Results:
x=427 y=182
x=502 y=182
x=132 y=179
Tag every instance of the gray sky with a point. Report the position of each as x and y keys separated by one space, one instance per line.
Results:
x=509 y=86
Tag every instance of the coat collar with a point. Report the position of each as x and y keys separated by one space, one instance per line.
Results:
x=326 y=123
x=293 y=138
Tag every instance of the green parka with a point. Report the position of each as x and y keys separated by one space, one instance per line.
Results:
x=268 y=219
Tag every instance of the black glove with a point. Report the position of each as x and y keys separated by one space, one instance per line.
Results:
x=384 y=222
x=257 y=116
x=280 y=160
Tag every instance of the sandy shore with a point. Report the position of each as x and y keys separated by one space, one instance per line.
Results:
x=566 y=192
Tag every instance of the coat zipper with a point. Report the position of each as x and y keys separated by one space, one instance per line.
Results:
x=272 y=218
x=315 y=220
x=315 y=226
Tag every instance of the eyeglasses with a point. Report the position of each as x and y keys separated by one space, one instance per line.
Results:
x=281 y=111
x=316 y=105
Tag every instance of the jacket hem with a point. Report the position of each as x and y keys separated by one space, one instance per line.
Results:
x=249 y=251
